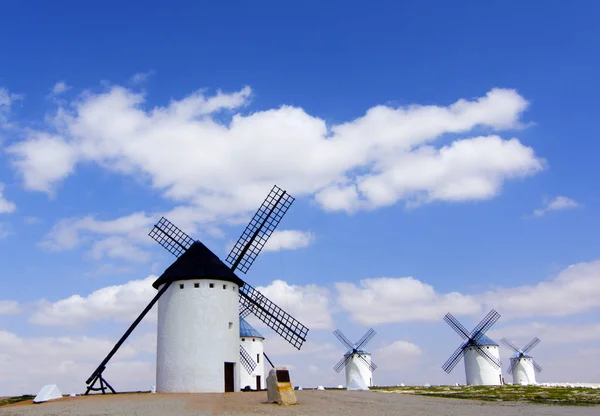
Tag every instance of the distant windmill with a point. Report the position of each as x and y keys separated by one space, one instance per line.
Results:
x=356 y=361
x=522 y=366
x=482 y=358
x=198 y=338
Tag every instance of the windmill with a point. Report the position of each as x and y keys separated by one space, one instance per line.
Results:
x=251 y=350
x=482 y=358
x=356 y=361
x=522 y=366
x=200 y=301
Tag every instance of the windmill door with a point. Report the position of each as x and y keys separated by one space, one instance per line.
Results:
x=229 y=377
x=257 y=382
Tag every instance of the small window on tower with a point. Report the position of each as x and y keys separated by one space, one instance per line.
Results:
x=181 y=286
x=224 y=287
x=253 y=340
x=243 y=339
x=233 y=287
x=196 y=285
x=257 y=358
x=230 y=325
x=211 y=285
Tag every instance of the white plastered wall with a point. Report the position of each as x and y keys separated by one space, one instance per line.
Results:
x=358 y=373
x=478 y=370
x=198 y=331
x=523 y=372
x=255 y=347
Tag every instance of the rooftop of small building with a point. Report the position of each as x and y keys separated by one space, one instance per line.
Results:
x=248 y=331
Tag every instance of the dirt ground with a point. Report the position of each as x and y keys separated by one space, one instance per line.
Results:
x=311 y=402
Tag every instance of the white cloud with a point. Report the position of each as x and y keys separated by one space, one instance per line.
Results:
x=120 y=303
x=7 y=99
x=118 y=248
x=309 y=304
x=26 y=364
x=576 y=289
x=405 y=299
x=559 y=203
x=141 y=77
x=68 y=233
x=289 y=240
x=549 y=333
x=6 y=206
x=59 y=88
x=49 y=159
x=226 y=166
x=9 y=307
x=397 y=355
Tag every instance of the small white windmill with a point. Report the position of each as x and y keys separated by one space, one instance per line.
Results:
x=251 y=357
x=356 y=361
x=522 y=366
x=482 y=355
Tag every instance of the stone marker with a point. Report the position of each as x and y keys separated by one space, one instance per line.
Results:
x=279 y=387
x=48 y=392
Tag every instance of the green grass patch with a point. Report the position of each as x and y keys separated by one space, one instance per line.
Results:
x=578 y=396
x=16 y=399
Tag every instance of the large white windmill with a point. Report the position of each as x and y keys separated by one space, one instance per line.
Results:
x=522 y=366
x=200 y=301
x=357 y=362
x=482 y=355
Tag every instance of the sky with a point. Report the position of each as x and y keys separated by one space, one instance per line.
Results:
x=442 y=158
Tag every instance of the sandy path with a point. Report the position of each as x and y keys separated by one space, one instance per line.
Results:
x=326 y=403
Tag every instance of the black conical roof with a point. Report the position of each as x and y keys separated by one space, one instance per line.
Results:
x=198 y=262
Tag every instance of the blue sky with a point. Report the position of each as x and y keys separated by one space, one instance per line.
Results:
x=112 y=115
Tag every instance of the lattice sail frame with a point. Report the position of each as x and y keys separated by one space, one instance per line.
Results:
x=289 y=328
x=247 y=361
x=171 y=237
x=259 y=229
x=472 y=340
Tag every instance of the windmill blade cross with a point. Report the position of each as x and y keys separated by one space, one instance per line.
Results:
x=457 y=326
x=509 y=344
x=273 y=316
x=247 y=361
x=535 y=341
x=454 y=359
x=339 y=335
x=259 y=229
x=485 y=324
x=171 y=237
x=537 y=367
x=342 y=363
x=366 y=338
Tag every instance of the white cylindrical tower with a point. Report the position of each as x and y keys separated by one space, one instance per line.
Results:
x=198 y=325
x=358 y=373
x=523 y=372
x=479 y=371
x=252 y=341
